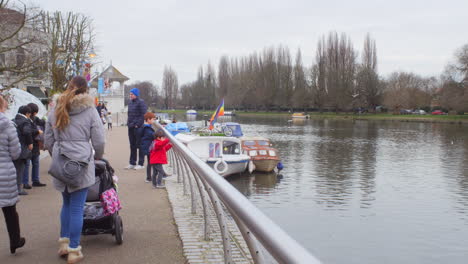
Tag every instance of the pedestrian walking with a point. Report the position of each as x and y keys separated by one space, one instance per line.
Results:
x=24 y=130
x=158 y=157
x=37 y=128
x=10 y=149
x=146 y=140
x=109 y=121
x=136 y=111
x=74 y=129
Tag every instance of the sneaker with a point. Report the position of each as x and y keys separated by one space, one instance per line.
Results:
x=27 y=186
x=38 y=184
x=155 y=187
x=22 y=192
x=138 y=167
x=129 y=167
x=162 y=186
x=147 y=180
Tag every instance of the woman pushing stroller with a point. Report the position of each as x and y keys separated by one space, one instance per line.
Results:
x=74 y=129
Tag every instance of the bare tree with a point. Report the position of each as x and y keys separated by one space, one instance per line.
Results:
x=368 y=88
x=72 y=39
x=300 y=97
x=170 y=87
x=22 y=44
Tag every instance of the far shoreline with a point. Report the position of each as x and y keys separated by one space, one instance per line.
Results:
x=451 y=119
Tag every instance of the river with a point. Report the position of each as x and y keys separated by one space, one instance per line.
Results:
x=366 y=191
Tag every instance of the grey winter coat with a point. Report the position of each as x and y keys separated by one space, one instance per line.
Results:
x=10 y=150
x=84 y=132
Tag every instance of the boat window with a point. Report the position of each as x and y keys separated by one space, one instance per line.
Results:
x=230 y=147
x=212 y=150
x=249 y=143
x=217 y=150
x=263 y=143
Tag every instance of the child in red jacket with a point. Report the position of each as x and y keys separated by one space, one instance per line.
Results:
x=158 y=157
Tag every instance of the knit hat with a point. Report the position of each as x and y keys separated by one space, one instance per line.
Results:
x=135 y=91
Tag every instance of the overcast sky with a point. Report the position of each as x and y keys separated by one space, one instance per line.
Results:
x=142 y=36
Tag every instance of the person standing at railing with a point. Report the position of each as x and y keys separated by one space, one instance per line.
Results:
x=136 y=111
x=146 y=140
x=158 y=157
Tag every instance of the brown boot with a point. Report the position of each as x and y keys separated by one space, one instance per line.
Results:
x=63 y=246
x=74 y=255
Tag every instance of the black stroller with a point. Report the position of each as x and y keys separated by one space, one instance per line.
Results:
x=95 y=222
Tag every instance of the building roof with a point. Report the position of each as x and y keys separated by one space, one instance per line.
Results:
x=112 y=74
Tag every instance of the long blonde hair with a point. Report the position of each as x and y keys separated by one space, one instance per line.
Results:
x=77 y=85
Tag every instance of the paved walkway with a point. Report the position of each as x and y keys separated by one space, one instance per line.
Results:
x=150 y=235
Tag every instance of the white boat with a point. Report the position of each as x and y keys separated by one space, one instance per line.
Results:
x=221 y=153
x=191 y=112
x=229 y=113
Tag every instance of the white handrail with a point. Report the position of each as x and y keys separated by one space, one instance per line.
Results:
x=277 y=242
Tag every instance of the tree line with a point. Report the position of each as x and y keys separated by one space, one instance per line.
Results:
x=340 y=79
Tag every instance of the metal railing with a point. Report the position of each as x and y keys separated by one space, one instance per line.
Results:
x=264 y=239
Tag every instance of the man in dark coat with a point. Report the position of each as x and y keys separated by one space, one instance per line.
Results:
x=136 y=111
x=24 y=129
x=37 y=128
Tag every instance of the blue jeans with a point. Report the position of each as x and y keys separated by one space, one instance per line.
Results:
x=71 y=217
x=35 y=170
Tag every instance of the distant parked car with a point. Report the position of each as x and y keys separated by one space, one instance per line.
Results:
x=419 y=112
x=405 y=111
x=438 y=112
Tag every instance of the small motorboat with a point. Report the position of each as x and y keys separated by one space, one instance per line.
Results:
x=222 y=153
x=191 y=112
x=300 y=116
x=264 y=157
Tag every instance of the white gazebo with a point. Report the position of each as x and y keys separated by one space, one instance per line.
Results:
x=114 y=96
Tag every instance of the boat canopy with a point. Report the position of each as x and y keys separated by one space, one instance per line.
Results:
x=176 y=128
x=236 y=129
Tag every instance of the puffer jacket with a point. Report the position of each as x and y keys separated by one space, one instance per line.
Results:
x=10 y=150
x=158 y=152
x=25 y=129
x=84 y=132
x=147 y=137
x=136 y=111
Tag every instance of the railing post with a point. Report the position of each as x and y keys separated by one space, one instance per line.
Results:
x=221 y=222
x=192 y=192
x=179 y=172
x=204 y=200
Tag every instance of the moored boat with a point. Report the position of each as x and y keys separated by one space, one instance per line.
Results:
x=221 y=153
x=264 y=157
x=191 y=112
x=300 y=116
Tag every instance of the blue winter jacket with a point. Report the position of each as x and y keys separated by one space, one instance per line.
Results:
x=136 y=110
x=147 y=137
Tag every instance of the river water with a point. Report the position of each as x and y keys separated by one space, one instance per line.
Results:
x=366 y=191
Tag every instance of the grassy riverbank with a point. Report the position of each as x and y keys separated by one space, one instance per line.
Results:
x=351 y=116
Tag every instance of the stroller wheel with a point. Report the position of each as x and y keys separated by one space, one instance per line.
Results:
x=118 y=229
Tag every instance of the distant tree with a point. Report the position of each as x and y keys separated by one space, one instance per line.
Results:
x=300 y=96
x=71 y=41
x=170 y=87
x=406 y=91
x=223 y=77
x=368 y=88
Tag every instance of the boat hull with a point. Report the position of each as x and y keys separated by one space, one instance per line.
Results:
x=234 y=167
x=265 y=165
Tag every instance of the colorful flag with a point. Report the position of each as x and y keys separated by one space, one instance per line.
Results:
x=219 y=112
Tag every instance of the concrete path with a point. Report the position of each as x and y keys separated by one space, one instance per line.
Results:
x=150 y=235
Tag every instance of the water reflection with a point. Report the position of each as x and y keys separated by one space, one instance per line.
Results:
x=255 y=183
x=371 y=190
